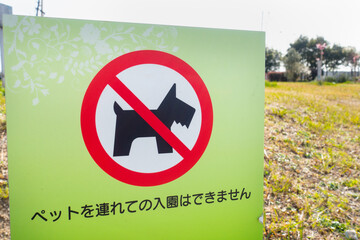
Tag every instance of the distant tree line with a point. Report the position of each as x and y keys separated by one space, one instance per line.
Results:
x=301 y=58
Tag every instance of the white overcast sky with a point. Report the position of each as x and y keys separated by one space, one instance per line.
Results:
x=282 y=20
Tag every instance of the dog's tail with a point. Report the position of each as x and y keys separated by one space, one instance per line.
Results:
x=117 y=109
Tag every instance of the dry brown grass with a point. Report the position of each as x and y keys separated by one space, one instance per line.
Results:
x=312 y=164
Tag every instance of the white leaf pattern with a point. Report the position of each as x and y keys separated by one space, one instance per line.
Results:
x=68 y=54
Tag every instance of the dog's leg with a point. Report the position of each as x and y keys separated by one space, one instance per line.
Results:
x=163 y=146
x=122 y=146
x=123 y=141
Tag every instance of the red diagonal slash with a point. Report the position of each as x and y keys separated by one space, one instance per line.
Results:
x=149 y=117
x=107 y=77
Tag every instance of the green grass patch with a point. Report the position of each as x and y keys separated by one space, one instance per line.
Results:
x=270 y=84
x=4 y=190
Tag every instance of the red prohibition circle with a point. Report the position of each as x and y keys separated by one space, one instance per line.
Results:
x=88 y=112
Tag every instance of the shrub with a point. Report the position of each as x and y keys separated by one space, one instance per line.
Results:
x=339 y=79
x=330 y=79
x=343 y=78
x=276 y=77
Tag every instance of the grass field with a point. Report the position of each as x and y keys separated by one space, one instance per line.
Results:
x=312 y=162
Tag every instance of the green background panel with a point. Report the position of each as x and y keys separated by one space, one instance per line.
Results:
x=49 y=64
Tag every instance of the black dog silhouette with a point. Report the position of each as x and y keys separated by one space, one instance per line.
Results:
x=129 y=124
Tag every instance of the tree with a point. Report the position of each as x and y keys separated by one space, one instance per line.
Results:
x=334 y=57
x=272 y=59
x=351 y=58
x=293 y=64
x=309 y=53
x=301 y=46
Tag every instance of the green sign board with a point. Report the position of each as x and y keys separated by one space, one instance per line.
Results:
x=133 y=131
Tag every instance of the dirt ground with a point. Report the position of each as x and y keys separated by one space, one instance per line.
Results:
x=4 y=199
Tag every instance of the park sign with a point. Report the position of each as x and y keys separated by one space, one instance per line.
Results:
x=133 y=131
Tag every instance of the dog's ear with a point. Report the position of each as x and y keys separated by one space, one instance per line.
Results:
x=172 y=92
x=117 y=108
x=169 y=98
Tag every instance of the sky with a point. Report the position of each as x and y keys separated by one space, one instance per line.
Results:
x=283 y=20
